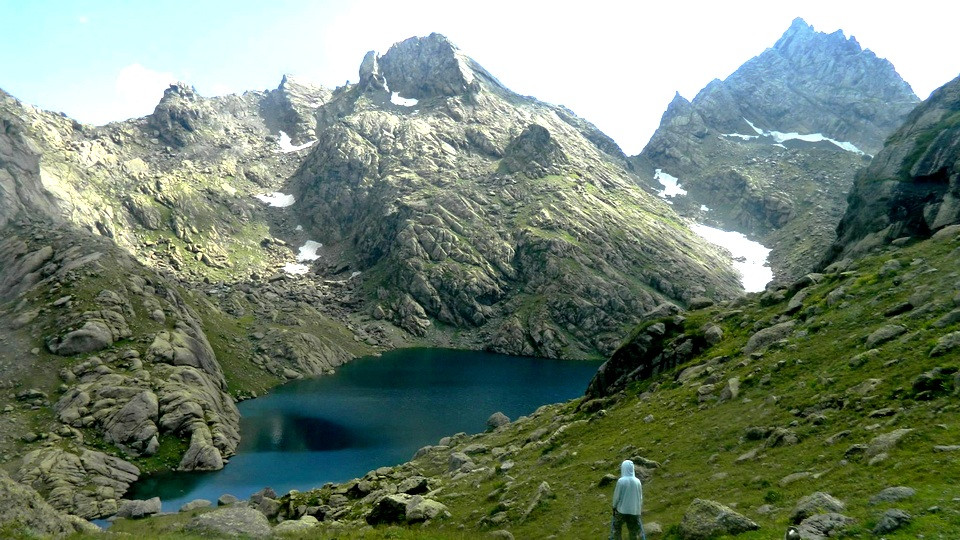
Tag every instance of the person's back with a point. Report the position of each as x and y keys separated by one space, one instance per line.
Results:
x=627 y=503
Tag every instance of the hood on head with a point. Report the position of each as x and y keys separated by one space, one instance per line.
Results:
x=626 y=468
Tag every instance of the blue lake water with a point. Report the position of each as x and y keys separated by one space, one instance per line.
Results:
x=373 y=412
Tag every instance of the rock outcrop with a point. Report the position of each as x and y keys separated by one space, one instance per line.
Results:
x=23 y=513
x=911 y=189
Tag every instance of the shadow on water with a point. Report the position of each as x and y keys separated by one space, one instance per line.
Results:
x=295 y=433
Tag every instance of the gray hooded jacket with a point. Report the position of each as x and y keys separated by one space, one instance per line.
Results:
x=628 y=495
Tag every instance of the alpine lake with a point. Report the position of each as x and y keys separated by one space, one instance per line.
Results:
x=373 y=412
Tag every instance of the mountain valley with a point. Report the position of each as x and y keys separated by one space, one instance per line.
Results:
x=156 y=271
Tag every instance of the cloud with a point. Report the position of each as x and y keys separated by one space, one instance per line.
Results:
x=138 y=91
x=83 y=19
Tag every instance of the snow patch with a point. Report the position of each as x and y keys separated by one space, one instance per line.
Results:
x=749 y=257
x=299 y=228
x=671 y=184
x=353 y=275
x=780 y=137
x=277 y=199
x=308 y=251
x=704 y=208
x=296 y=268
x=286 y=145
x=402 y=101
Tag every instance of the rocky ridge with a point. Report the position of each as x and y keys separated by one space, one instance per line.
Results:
x=771 y=150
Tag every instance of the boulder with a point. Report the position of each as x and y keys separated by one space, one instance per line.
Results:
x=226 y=500
x=390 y=509
x=458 y=460
x=824 y=526
x=885 y=442
x=420 y=509
x=136 y=509
x=815 y=503
x=764 y=338
x=885 y=334
x=891 y=520
x=893 y=494
x=414 y=485
x=705 y=519
x=92 y=336
x=296 y=525
x=496 y=420
x=239 y=521
x=194 y=504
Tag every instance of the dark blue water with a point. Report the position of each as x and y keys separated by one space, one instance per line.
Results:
x=372 y=412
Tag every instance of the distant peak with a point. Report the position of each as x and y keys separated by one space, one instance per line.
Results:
x=801 y=38
x=801 y=24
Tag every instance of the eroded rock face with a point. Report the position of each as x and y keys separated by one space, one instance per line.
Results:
x=912 y=187
x=86 y=483
x=706 y=519
x=22 y=510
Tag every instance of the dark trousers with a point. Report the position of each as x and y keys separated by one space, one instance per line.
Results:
x=633 y=523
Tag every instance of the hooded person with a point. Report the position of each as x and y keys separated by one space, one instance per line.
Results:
x=627 y=504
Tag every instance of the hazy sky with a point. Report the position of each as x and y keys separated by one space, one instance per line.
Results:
x=616 y=64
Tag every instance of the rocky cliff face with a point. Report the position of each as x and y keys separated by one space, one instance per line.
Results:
x=466 y=205
x=771 y=150
x=912 y=187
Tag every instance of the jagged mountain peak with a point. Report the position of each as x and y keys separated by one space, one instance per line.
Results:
x=430 y=66
x=180 y=89
x=802 y=39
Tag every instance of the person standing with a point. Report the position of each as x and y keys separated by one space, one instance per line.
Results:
x=627 y=504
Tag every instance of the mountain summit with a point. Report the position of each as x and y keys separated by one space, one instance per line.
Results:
x=770 y=150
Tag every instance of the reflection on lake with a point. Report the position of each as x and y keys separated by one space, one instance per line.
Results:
x=373 y=412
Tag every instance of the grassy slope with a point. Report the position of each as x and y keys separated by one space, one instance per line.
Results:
x=698 y=444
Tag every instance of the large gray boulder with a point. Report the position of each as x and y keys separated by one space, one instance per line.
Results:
x=706 y=519
x=404 y=508
x=824 y=526
x=816 y=503
x=135 y=509
x=231 y=521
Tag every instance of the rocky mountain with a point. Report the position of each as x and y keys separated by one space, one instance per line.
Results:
x=468 y=206
x=771 y=150
x=155 y=271
x=911 y=189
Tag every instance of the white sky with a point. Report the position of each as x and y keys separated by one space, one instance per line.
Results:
x=616 y=64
